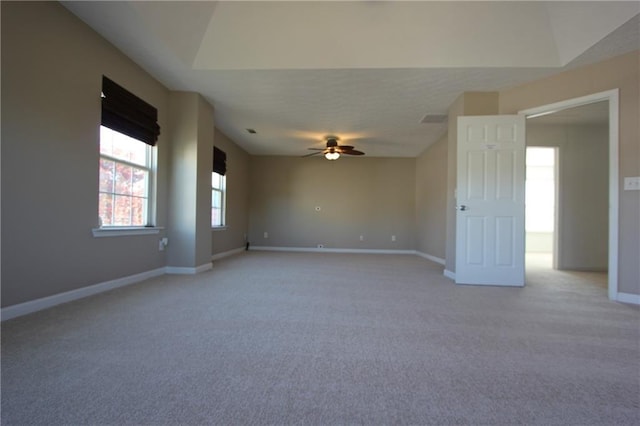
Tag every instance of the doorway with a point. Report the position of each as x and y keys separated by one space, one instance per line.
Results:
x=581 y=187
x=540 y=207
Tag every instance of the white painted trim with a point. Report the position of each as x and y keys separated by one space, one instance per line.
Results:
x=122 y=232
x=431 y=258
x=492 y=284
x=330 y=250
x=203 y=268
x=451 y=275
x=227 y=253
x=69 y=296
x=628 y=298
x=185 y=270
x=612 y=96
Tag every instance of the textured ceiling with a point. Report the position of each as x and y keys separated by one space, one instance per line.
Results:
x=366 y=71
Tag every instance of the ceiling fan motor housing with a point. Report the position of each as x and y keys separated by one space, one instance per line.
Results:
x=332 y=142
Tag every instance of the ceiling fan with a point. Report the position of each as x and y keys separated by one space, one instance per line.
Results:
x=332 y=151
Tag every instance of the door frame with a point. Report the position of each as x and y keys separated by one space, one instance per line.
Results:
x=612 y=96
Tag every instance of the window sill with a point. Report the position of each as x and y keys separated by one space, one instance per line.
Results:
x=218 y=228
x=115 y=231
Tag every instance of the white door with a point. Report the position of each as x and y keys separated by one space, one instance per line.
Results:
x=490 y=200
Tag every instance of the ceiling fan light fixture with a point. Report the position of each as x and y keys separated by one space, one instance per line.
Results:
x=332 y=155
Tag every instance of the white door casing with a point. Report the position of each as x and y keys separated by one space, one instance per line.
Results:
x=490 y=207
x=612 y=96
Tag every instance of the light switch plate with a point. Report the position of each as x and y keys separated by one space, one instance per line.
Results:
x=632 y=183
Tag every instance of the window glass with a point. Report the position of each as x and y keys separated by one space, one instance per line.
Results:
x=218 y=189
x=124 y=182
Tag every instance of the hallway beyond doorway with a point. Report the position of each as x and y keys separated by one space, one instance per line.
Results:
x=539 y=272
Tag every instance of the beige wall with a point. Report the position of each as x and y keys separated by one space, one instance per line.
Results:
x=431 y=200
x=372 y=197
x=583 y=182
x=184 y=154
x=203 y=187
x=190 y=180
x=234 y=234
x=620 y=73
x=52 y=67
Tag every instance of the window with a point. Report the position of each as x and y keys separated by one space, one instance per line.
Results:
x=218 y=190
x=125 y=180
x=128 y=133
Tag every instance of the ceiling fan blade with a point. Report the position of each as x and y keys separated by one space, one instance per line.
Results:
x=353 y=152
x=312 y=154
x=316 y=149
x=345 y=147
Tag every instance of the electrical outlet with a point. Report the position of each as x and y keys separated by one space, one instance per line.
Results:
x=160 y=246
x=266 y=234
x=320 y=246
x=393 y=238
x=361 y=237
x=632 y=183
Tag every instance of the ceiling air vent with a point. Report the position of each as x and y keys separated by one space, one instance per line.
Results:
x=434 y=119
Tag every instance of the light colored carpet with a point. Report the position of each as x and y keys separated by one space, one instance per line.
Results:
x=326 y=339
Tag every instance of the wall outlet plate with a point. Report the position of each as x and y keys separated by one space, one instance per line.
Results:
x=632 y=183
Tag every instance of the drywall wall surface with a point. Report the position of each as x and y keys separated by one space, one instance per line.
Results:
x=304 y=202
x=234 y=233
x=203 y=187
x=621 y=73
x=481 y=103
x=191 y=165
x=183 y=179
x=468 y=103
x=583 y=189
x=52 y=68
x=431 y=199
x=455 y=110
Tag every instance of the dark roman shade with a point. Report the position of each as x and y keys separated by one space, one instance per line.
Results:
x=126 y=113
x=219 y=161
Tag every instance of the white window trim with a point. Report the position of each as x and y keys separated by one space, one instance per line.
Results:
x=123 y=231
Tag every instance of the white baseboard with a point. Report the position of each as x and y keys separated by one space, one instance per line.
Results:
x=80 y=293
x=628 y=298
x=451 y=275
x=330 y=250
x=227 y=253
x=431 y=258
x=69 y=296
x=185 y=270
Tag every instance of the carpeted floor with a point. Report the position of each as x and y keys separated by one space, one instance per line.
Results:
x=327 y=339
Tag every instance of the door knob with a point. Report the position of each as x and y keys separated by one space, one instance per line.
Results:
x=462 y=207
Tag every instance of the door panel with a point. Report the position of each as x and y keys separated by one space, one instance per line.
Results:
x=490 y=199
